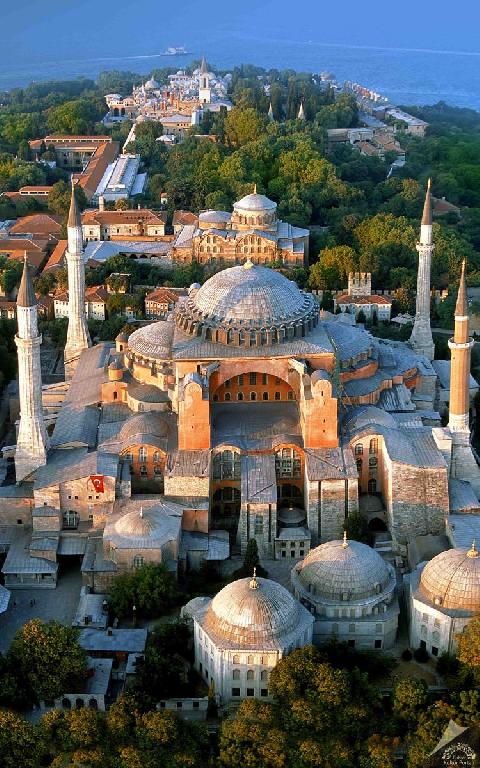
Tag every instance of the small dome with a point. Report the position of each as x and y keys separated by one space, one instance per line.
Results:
x=115 y=366
x=339 y=568
x=215 y=217
x=144 y=424
x=151 y=84
x=255 y=202
x=452 y=580
x=251 y=612
x=122 y=336
x=291 y=516
x=194 y=287
x=135 y=525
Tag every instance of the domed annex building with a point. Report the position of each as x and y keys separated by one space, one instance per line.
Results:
x=242 y=634
x=246 y=414
x=252 y=231
x=351 y=591
x=444 y=595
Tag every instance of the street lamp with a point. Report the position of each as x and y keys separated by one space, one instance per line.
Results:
x=134 y=614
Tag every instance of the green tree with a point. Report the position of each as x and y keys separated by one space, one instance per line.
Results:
x=47 y=658
x=19 y=744
x=151 y=588
x=251 y=560
x=356 y=527
x=60 y=195
x=243 y=126
x=75 y=117
x=468 y=650
x=254 y=738
x=409 y=699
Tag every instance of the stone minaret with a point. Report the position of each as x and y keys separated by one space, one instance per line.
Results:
x=461 y=347
x=270 y=113
x=421 y=339
x=301 y=112
x=78 y=337
x=463 y=465
x=32 y=440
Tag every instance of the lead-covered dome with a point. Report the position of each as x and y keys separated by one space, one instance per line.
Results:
x=153 y=341
x=252 y=305
x=344 y=571
x=255 y=202
x=451 y=580
x=252 y=612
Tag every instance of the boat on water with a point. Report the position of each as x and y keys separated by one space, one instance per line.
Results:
x=176 y=51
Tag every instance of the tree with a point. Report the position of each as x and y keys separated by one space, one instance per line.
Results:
x=75 y=117
x=122 y=205
x=469 y=646
x=333 y=267
x=47 y=658
x=356 y=527
x=254 y=738
x=151 y=588
x=243 y=126
x=60 y=195
x=160 y=674
x=409 y=699
x=251 y=560
x=19 y=744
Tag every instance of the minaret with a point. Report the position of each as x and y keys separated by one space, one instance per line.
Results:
x=204 y=92
x=461 y=347
x=301 y=112
x=270 y=113
x=421 y=339
x=32 y=439
x=78 y=337
x=462 y=464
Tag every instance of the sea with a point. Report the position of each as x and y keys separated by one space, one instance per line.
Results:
x=403 y=75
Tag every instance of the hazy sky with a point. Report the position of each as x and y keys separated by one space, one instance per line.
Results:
x=37 y=31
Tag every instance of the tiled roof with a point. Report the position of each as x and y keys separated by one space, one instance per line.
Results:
x=134 y=216
x=184 y=217
x=346 y=298
x=38 y=223
x=57 y=258
x=162 y=295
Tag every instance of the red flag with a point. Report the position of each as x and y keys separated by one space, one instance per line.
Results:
x=97 y=481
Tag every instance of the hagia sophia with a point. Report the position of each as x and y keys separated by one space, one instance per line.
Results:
x=250 y=414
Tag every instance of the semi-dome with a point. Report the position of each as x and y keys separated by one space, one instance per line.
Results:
x=255 y=202
x=451 y=580
x=252 y=613
x=344 y=570
x=244 y=299
x=153 y=341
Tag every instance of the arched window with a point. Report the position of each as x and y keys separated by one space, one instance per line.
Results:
x=227 y=397
x=359 y=466
x=253 y=395
x=236 y=674
x=288 y=463
x=71 y=519
x=226 y=465
x=264 y=675
x=240 y=396
x=143 y=470
x=236 y=659
x=373 y=445
x=277 y=395
x=265 y=395
x=142 y=453
x=359 y=449
x=250 y=674
x=138 y=561
x=156 y=456
x=250 y=660
x=157 y=470
x=372 y=486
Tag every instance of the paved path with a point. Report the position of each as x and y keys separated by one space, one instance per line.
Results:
x=59 y=603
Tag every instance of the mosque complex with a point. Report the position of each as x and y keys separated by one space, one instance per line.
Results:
x=250 y=414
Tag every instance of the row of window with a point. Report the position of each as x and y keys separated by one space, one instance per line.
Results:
x=143 y=454
x=253 y=396
x=237 y=674
x=227 y=464
x=373 y=447
x=253 y=378
x=250 y=692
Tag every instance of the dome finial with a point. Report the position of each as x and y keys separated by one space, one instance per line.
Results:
x=141 y=512
x=473 y=551
x=345 y=542
x=248 y=264
x=255 y=189
x=254 y=582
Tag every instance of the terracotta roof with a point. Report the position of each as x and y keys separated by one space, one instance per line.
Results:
x=38 y=223
x=100 y=160
x=33 y=189
x=133 y=216
x=44 y=301
x=441 y=206
x=94 y=293
x=345 y=298
x=67 y=140
x=9 y=244
x=34 y=258
x=6 y=304
x=184 y=217
x=367 y=148
x=163 y=295
x=58 y=255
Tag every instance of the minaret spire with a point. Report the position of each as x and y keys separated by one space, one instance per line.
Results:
x=301 y=112
x=460 y=346
x=271 y=116
x=32 y=440
x=421 y=339
x=78 y=337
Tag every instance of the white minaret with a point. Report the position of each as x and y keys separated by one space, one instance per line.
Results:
x=301 y=112
x=78 y=337
x=270 y=113
x=204 y=91
x=32 y=440
x=421 y=339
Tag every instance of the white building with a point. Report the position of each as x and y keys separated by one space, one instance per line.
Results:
x=121 y=180
x=242 y=634
x=350 y=590
x=444 y=595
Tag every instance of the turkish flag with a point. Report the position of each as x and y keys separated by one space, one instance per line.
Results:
x=97 y=481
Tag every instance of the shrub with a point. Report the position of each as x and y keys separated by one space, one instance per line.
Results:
x=421 y=655
x=407 y=655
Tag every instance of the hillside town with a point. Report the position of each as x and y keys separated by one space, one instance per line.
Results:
x=239 y=429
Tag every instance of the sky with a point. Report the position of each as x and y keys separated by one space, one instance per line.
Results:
x=62 y=29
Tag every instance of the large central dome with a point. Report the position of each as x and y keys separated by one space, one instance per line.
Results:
x=249 y=298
